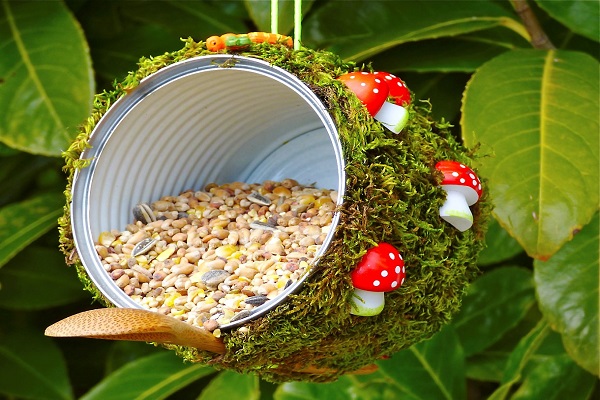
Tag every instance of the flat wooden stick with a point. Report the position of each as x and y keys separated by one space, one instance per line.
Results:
x=136 y=325
x=148 y=326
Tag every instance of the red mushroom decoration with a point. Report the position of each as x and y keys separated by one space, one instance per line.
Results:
x=397 y=88
x=380 y=270
x=373 y=92
x=463 y=189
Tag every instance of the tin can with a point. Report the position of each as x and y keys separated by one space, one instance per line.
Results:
x=217 y=118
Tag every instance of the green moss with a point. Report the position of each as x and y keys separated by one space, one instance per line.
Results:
x=392 y=195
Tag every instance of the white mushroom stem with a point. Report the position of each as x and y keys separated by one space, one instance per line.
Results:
x=456 y=210
x=365 y=303
x=393 y=116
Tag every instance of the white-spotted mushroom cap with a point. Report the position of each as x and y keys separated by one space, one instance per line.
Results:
x=460 y=178
x=369 y=89
x=373 y=91
x=381 y=269
x=398 y=90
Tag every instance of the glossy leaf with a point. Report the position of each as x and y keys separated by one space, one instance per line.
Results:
x=19 y=172
x=489 y=364
x=38 y=279
x=260 y=12
x=486 y=366
x=152 y=377
x=519 y=358
x=500 y=246
x=567 y=289
x=464 y=53
x=338 y=390
x=114 y=58
x=374 y=386
x=442 y=90
x=580 y=16
x=536 y=114
x=184 y=18
x=21 y=223
x=539 y=368
x=494 y=304
x=32 y=367
x=123 y=352
x=433 y=369
x=46 y=80
x=556 y=378
x=370 y=27
x=230 y=384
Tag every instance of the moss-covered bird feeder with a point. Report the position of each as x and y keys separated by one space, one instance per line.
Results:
x=269 y=210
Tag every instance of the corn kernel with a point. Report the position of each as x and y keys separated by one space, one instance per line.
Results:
x=168 y=252
x=170 y=299
x=226 y=251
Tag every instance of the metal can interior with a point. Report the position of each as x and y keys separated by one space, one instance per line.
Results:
x=219 y=119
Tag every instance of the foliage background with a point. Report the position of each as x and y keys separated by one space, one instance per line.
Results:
x=528 y=328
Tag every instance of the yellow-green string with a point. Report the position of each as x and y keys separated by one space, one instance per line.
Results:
x=274 y=16
x=297 y=20
x=297 y=23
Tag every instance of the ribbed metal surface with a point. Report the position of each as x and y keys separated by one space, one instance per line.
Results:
x=193 y=123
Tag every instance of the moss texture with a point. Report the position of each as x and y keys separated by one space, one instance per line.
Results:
x=392 y=195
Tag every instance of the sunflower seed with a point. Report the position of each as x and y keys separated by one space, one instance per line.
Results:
x=262 y=225
x=214 y=277
x=143 y=247
x=258 y=198
x=256 y=300
x=142 y=212
x=241 y=315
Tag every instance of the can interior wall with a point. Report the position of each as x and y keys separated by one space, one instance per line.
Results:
x=208 y=119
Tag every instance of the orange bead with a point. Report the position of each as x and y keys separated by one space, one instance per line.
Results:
x=258 y=37
x=215 y=43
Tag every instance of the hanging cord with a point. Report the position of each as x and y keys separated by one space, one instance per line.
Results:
x=274 y=16
x=297 y=23
x=297 y=20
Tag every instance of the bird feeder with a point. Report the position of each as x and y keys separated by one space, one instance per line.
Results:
x=265 y=112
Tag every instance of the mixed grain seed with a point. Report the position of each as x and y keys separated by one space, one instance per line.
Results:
x=211 y=257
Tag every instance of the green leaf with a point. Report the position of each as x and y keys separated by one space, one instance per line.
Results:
x=153 y=377
x=19 y=172
x=580 y=16
x=22 y=223
x=46 y=79
x=500 y=246
x=567 y=289
x=489 y=364
x=231 y=385
x=370 y=27
x=433 y=369
x=123 y=352
x=494 y=304
x=539 y=368
x=519 y=358
x=260 y=12
x=464 y=53
x=556 y=378
x=342 y=389
x=442 y=90
x=536 y=113
x=38 y=279
x=114 y=58
x=184 y=18
x=32 y=367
